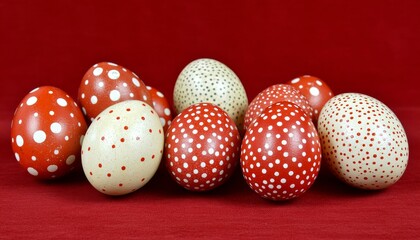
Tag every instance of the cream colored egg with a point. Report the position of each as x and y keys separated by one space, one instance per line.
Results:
x=208 y=80
x=123 y=147
x=363 y=142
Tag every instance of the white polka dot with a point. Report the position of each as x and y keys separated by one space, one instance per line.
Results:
x=86 y=82
x=62 y=102
x=82 y=96
x=17 y=157
x=97 y=71
x=33 y=158
x=185 y=165
x=125 y=85
x=314 y=91
x=204 y=175
x=56 y=151
x=114 y=74
x=318 y=82
x=81 y=139
x=295 y=80
x=52 y=168
x=101 y=84
x=131 y=95
x=51 y=113
x=36 y=114
x=112 y=64
x=39 y=136
x=94 y=99
x=70 y=160
x=114 y=95
x=66 y=138
x=19 y=141
x=136 y=82
x=162 y=121
x=55 y=127
x=160 y=94
x=31 y=101
x=167 y=111
x=32 y=171
x=144 y=97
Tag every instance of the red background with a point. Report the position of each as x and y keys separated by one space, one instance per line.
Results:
x=371 y=47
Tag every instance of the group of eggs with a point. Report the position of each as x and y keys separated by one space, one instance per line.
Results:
x=274 y=138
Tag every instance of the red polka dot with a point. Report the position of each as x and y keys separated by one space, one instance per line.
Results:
x=142 y=159
x=113 y=145
x=143 y=118
x=143 y=179
x=102 y=138
x=109 y=174
x=125 y=127
x=150 y=130
x=120 y=184
x=122 y=140
x=88 y=148
x=128 y=109
x=91 y=173
x=123 y=168
x=99 y=165
x=111 y=111
x=153 y=156
x=118 y=118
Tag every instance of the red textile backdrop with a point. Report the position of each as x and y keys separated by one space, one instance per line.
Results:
x=370 y=47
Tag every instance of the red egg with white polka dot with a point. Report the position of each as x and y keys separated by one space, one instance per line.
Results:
x=281 y=152
x=274 y=94
x=202 y=147
x=47 y=130
x=105 y=84
x=363 y=142
x=316 y=91
x=162 y=107
x=123 y=148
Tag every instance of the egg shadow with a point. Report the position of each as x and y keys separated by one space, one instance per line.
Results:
x=328 y=185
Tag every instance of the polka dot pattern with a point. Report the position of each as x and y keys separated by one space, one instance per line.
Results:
x=281 y=152
x=363 y=142
x=274 y=94
x=316 y=91
x=162 y=107
x=202 y=147
x=105 y=84
x=46 y=130
x=208 y=80
x=122 y=148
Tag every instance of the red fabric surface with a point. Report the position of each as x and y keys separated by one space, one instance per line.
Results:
x=370 y=47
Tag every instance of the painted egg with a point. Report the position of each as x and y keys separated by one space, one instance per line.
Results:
x=281 y=152
x=316 y=91
x=202 y=147
x=105 y=84
x=274 y=94
x=161 y=106
x=208 y=80
x=123 y=148
x=363 y=142
x=47 y=130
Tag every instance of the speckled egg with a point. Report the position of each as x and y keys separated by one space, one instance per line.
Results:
x=208 y=80
x=363 y=142
x=123 y=147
